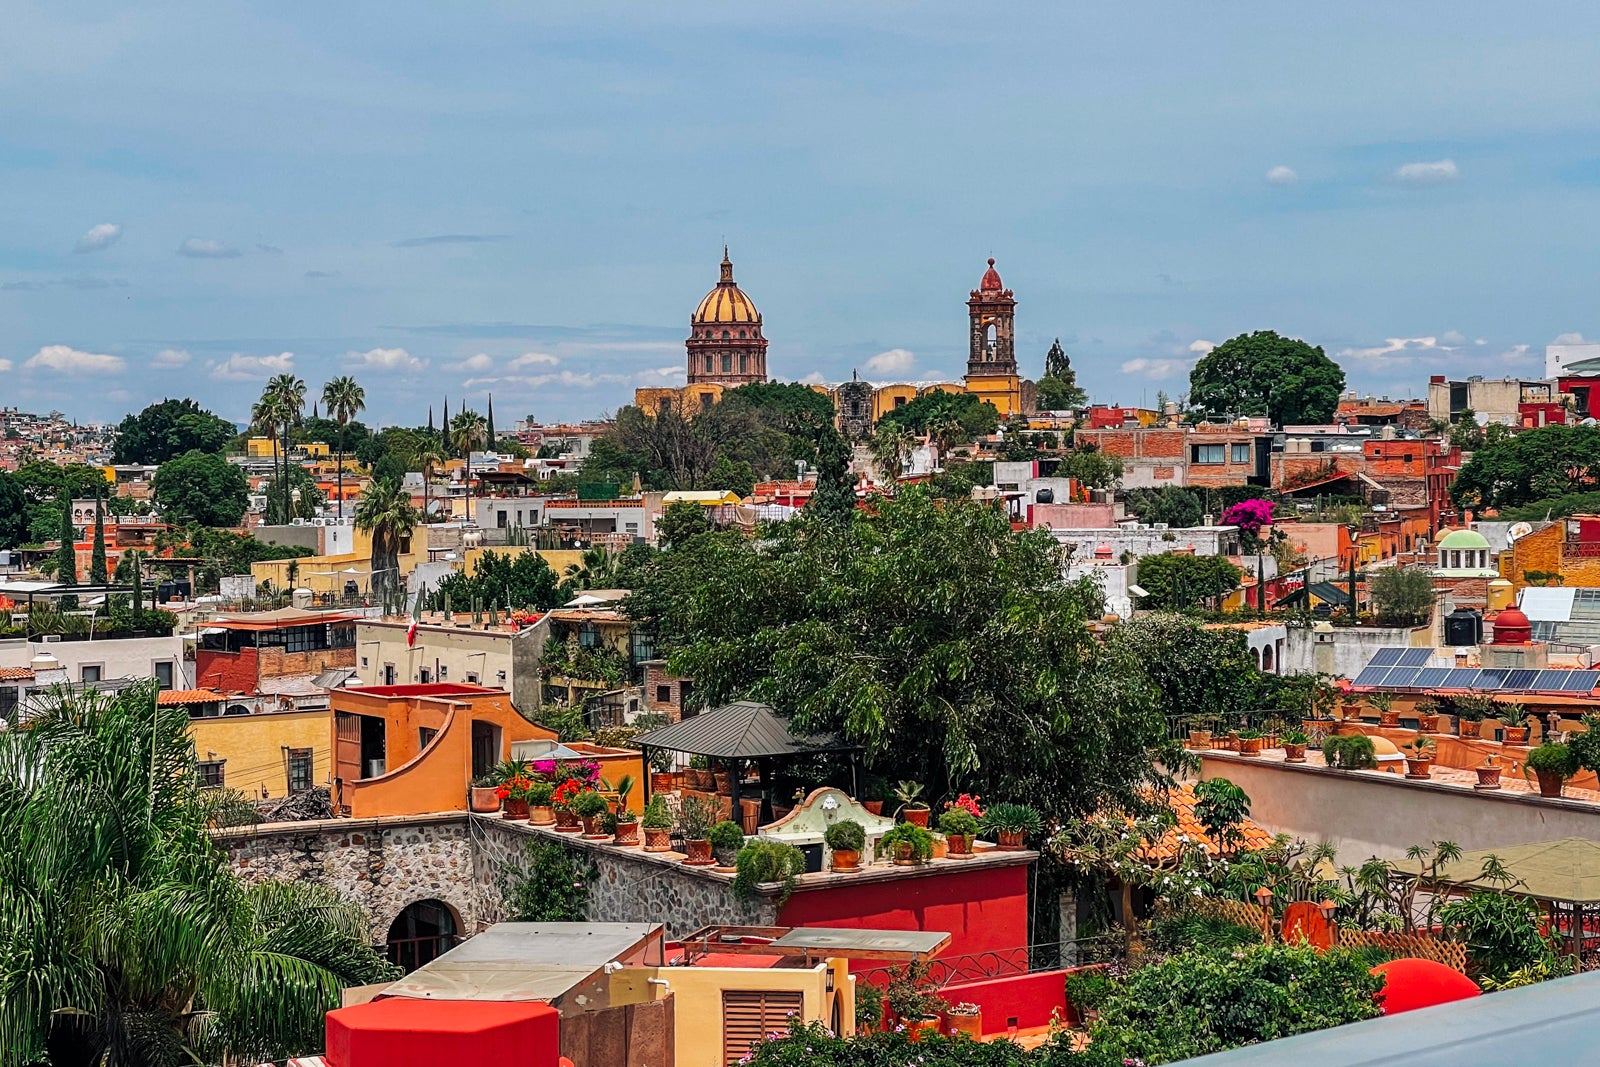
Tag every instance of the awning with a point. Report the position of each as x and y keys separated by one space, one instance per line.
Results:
x=1566 y=870
x=742 y=730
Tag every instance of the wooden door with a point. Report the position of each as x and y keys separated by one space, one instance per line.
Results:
x=347 y=750
x=750 y=1015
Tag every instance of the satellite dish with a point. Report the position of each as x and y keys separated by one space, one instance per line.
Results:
x=1518 y=529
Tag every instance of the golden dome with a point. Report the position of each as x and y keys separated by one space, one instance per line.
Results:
x=726 y=304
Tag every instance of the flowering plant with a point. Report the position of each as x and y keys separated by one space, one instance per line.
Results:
x=544 y=768
x=564 y=794
x=515 y=787
x=1249 y=516
x=966 y=802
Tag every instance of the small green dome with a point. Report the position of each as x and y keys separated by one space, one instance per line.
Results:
x=1464 y=541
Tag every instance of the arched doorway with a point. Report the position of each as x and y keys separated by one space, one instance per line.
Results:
x=1266 y=660
x=422 y=932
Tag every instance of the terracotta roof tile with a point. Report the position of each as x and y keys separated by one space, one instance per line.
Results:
x=1182 y=801
x=16 y=674
x=169 y=697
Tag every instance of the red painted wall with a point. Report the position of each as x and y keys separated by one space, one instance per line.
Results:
x=1031 y=999
x=402 y=1032
x=981 y=910
x=227 y=672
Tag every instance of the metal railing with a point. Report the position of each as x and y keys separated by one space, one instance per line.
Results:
x=1004 y=963
x=412 y=952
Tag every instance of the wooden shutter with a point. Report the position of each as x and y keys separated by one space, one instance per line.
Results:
x=750 y=1015
x=347 y=758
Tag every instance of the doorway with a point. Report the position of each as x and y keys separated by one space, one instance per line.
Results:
x=422 y=933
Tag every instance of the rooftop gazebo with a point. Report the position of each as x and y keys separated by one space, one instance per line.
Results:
x=747 y=732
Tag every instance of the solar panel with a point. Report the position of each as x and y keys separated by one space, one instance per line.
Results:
x=1402 y=677
x=1460 y=678
x=1416 y=657
x=1387 y=657
x=1431 y=677
x=1371 y=676
x=1549 y=681
x=1579 y=682
x=1521 y=678
x=1492 y=678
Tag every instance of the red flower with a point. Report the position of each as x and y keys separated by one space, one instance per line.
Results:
x=967 y=802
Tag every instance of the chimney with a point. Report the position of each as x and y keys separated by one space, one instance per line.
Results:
x=47 y=670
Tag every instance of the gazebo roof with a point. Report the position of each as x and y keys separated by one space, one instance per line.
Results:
x=1565 y=870
x=744 y=729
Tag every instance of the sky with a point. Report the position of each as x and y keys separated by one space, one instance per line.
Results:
x=530 y=199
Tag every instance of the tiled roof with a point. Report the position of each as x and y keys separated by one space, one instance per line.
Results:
x=170 y=697
x=16 y=674
x=1182 y=801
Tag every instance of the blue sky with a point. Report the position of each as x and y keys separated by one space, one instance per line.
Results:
x=464 y=197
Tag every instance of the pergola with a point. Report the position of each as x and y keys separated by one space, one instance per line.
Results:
x=748 y=732
x=1563 y=875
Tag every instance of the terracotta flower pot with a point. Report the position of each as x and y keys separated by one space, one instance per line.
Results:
x=724 y=783
x=657 y=839
x=566 y=822
x=846 y=861
x=627 y=834
x=698 y=854
x=1550 y=783
x=903 y=855
x=916 y=816
x=591 y=828
x=874 y=807
x=1488 y=778
x=1200 y=740
x=1251 y=746
x=1467 y=727
x=541 y=816
x=1428 y=724
x=1388 y=718
x=662 y=782
x=1293 y=753
x=1010 y=840
x=485 y=799
x=970 y=1024
x=1419 y=768
x=515 y=808
x=1269 y=740
x=1516 y=735
x=959 y=845
x=916 y=1029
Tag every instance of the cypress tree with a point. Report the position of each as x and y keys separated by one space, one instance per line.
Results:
x=490 y=430
x=835 y=496
x=444 y=430
x=66 y=555
x=97 y=562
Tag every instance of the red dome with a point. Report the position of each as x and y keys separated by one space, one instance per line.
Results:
x=991 y=279
x=1511 y=627
x=1412 y=983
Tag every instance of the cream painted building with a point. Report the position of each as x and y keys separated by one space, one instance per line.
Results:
x=458 y=651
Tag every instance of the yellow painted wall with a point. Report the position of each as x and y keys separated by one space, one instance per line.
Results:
x=254 y=747
x=697 y=996
x=258 y=448
x=1005 y=393
x=276 y=571
x=1541 y=551
x=883 y=400
x=558 y=558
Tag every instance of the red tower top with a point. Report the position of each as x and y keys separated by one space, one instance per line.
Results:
x=991 y=279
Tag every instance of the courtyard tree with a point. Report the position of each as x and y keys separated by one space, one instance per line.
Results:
x=1511 y=470
x=1262 y=373
x=1180 y=581
x=1402 y=596
x=170 y=429
x=202 y=487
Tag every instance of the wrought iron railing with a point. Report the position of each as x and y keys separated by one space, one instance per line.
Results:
x=1004 y=963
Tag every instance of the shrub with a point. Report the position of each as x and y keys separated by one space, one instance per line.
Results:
x=549 y=884
x=1501 y=932
x=1352 y=753
x=1013 y=818
x=697 y=816
x=910 y=992
x=726 y=836
x=846 y=835
x=657 y=816
x=767 y=861
x=919 y=840
x=1087 y=990
x=958 y=821
x=1552 y=758
x=539 y=794
x=589 y=804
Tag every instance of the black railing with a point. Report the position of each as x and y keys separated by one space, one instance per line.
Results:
x=1004 y=963
x=412 y=952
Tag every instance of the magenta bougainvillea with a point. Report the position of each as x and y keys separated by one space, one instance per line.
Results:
x=1248 y=515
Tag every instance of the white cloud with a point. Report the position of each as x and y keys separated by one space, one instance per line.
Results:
x=477 y=364
x=1156 y=368
x=170 y=357
x=1395 y=349
x=242 y=368
x=1443 y=170
x=5 y=365
x=385 y=359
x=1515 y=352
x=894 y=361
x=814 y=378
x=202 y=248
x=534 y=359
x=659 y=376
x=97 y=237
x=1282 y=176
x=69 y=360
x=1202 y=347
x=1570 y=339
x=1453 y=338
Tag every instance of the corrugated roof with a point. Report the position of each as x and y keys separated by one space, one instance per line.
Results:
x=741 y=730
x=525 y=961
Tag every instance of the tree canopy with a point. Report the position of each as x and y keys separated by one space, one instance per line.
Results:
x=1263 y=373
x=513 y=580
x=169 y=429
x=936 y=408
x=1543 y=464
x=1058 y=388
x=1180 y=580
x=202 y=487
x=1402 y=595
x=1174 y=505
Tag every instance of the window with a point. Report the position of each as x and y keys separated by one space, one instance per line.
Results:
x=444 y=672
x=750 y=1015
x=899 y=401
x=1241 y=452
x=727 y=363
x=423 y=676
x=500 y=519
x=743 y=366
x=424 y=735
x=630 y=527
x=588 y=636
x=663 y=694
x=89 y=673
x=1207 y=454
x=299 y=770
x=363 y=663
x=164 y=675
x=472 y=679
x=8 y=703
x=210 y=773
x=388 y=674
x=708 y=362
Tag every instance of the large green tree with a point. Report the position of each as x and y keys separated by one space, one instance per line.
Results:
x=126 y=940
x=1181 y=580
x=1058 y=389
x=513 y=579
x=345 y=399
x=972 y=418
x=1508 y=470
x=169 y=429
x=1174 y=505
x=927 y=631
x=1263 y=373
x=202 y=487
x=14 y=516
x=384 y=511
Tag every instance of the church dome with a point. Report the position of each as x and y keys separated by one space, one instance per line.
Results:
x=727 y=304
x=991 y=279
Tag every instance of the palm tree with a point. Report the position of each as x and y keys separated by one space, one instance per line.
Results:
x=891 y=446
x=466 y=433
x=344 y=400
x=430 y=459
x=264 y=421
x=385 y=512
x=288 y=394
x=595 y=569
x=130 y=942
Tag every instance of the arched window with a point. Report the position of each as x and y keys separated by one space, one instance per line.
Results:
x=1266 y=660
x=421 y=933
x=708 y=362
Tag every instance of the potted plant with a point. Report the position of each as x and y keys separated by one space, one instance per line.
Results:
x=726 y=838
x=912 y=999
x=1470 y=713
x=1087 y=991
x=845 y=840
x=698 y=814
x=1514 y=717
x=965 y=1018
x=589 y=806
x=1488 y=774
x=722 y=778
x=1250 y=742
x=1419 y=757
x=657 y=824
x=1012 y=825
x=1552 y=763
x=513 y=796
x=1294 y=745
x=763 y=861
x=873 y=794
x=1352 y=752
x=1428 y=715
x=627 y=831
x=662 y=780
x=959 y=825
x=912 y=808
x=1271 y=731
x=539 y=797
x=907 y=844
x=700 y=775
x=869 y=1007
x=561 y=804
x=1383 y=703
x=484 y=795
x=1200 y=731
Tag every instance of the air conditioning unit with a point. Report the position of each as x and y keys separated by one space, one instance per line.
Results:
x=50 y=639
x=375 y=767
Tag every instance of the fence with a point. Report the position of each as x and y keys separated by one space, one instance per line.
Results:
x=1452 y=954
x=1002 y=963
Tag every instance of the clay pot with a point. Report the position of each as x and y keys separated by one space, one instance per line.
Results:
x=727 y=858
x=542 y=816
x=1488 y=778
x=698 y=854
x=1250 y=746
x=903 y=856
x=960 y=846
x=566 y=822
x=874 y=807
x=657 y=839
x=845 y=861
x=724 y=783
x=591 y=828
x=662 y=781
x=1467 y=728
x=916 y=816
x=969 y=1024
x=627 y=834
x=1200 y=740
x=1269 y=741
x=514 y=808
x=1516 y=735
x=1009 y=840
x=1550 y=783
x=1428 y=724
x=1419 y=768
x=1294 y=753
x=485 y=799
x=917 y=1028
x=1388 y=718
